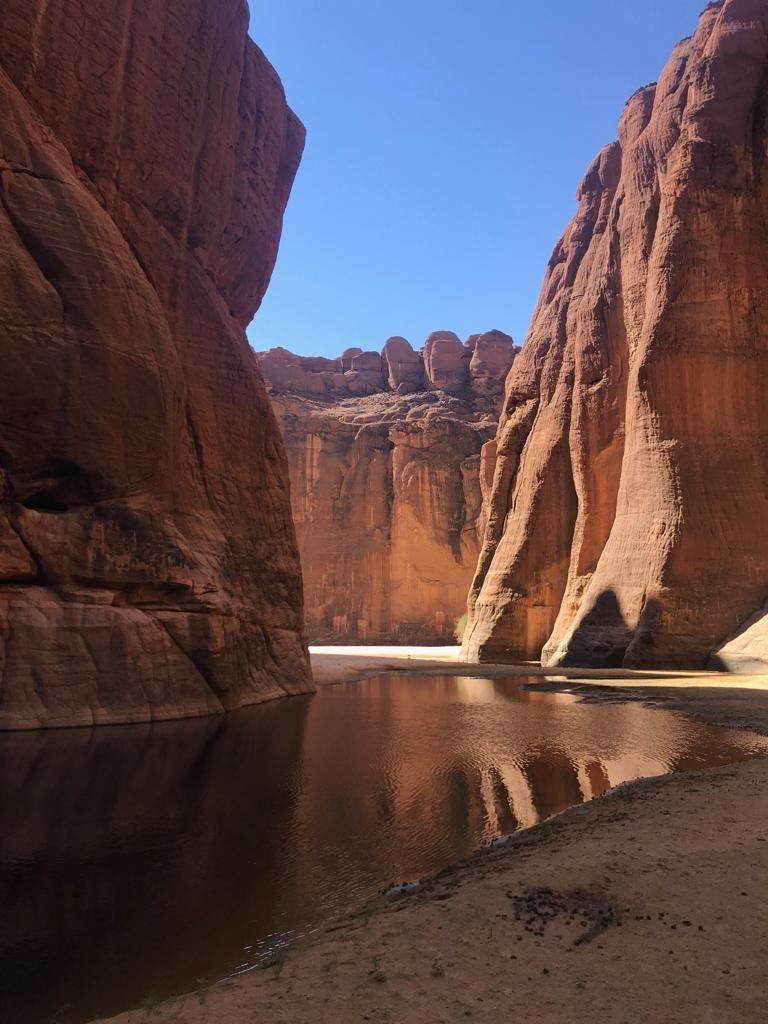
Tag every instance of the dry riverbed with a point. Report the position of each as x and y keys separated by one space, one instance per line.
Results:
x=644 y=906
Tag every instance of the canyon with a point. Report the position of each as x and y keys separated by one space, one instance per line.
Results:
x=627 y=522
x=181 y=515
x=608 y=506
x=388 y=479
x=148 y=562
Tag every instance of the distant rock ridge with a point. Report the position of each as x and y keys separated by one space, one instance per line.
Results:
x=627 y=522
x=480 y=364
x=387 y=480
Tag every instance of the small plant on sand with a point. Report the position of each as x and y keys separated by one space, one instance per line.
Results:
x=202 y=990
x=151 y=1005
x=276 y=960
x=461 y=627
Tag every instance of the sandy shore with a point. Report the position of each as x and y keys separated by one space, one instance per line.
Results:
x=345 y=664
x=644 y=906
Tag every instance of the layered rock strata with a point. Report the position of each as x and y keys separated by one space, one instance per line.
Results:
x=148 y=564
x=384 y=453
x=628 y=517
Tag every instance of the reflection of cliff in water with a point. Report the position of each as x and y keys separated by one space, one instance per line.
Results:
x=135 y=858
x=442 y=764
x=135 y=861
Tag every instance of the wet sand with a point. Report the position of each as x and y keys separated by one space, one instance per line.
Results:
x=646 y=905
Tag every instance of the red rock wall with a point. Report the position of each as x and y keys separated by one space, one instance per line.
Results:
x=148 y=566
x=628 y=518
x=385 y=481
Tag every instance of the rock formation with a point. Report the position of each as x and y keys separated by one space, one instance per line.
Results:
x=148 y=566
x=384 y=453
x=628 y=516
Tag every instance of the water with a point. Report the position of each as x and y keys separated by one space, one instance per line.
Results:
x=142 y=861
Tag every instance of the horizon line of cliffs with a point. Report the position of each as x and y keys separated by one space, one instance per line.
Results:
x=627 y=523
x=387 y=480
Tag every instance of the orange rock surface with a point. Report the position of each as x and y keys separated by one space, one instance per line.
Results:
x=148 y=565
x=384 y=453
x=628 y=515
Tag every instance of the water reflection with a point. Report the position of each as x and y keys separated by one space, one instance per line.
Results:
x=136 y=861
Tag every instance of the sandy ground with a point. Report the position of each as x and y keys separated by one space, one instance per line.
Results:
x=345 y=664
x=644 y=907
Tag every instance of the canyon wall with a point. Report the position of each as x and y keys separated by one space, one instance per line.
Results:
x=148 y=563
x=628 y=518
x=387 y=480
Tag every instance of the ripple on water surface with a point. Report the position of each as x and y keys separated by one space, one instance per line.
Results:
x=142 y=861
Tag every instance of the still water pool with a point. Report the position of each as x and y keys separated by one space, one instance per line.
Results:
x=141 y=861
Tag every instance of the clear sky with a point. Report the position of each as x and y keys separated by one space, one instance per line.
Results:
x=445 y=143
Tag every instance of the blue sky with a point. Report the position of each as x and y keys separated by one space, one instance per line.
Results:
x=445 y=143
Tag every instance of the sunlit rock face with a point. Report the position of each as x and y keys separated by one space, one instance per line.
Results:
x=148 y=564
x=747 y=650
x=385 y=481
x=628 y=515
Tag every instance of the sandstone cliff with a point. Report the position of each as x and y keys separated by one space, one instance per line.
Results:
x=628 y=521
x=148 y=566
x=386 y=480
